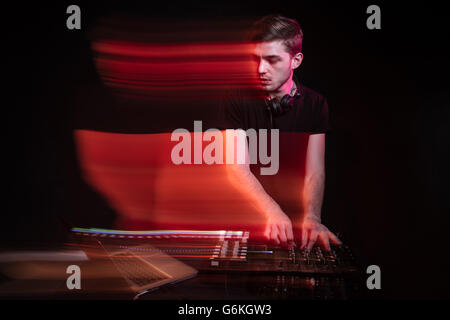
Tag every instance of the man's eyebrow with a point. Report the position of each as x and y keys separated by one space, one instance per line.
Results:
x=272 y=56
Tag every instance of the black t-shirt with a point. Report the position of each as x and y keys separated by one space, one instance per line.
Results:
x=309 y=115
x=246 y=109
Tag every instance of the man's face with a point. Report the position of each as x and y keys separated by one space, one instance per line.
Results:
x=274 y=65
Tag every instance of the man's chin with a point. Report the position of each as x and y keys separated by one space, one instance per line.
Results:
x=267 y=87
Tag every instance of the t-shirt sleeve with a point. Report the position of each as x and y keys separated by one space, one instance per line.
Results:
x=322 y=123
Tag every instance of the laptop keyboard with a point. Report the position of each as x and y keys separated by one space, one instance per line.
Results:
x=137 y=271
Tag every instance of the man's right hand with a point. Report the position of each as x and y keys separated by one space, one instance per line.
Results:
x=279 y=228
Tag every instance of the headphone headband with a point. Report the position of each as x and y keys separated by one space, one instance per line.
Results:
x=279 y=107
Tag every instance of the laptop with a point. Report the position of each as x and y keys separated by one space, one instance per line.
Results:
x=144 y=267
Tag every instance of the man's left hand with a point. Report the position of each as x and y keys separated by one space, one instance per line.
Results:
x=313 y=230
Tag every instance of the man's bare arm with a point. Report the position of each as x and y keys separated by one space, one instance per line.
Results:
x=278 y=224
x=312 y=228
x=314 y=176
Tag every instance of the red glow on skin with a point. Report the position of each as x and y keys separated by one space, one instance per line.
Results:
x=135 y=174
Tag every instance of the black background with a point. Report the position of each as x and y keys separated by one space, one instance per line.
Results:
x=387 y=157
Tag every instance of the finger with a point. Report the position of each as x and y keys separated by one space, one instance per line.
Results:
x=274 y=234
x=282 y=232
x=312 y=239
x=304 y=238
x=324 y=240
x=289 y=232
x=334 y=239
x=267 y=231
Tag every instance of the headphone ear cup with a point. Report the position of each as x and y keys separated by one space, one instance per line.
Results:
x=275 y=106
x=279 y=107
x=286 y=103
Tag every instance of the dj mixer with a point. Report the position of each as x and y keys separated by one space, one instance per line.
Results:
x=263 y=270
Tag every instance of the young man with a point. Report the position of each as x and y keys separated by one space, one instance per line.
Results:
x=303 y=112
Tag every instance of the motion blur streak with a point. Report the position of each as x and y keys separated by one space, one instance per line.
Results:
x=173 y=59
x=190 y=71
x=136 y=175
x=134 y=172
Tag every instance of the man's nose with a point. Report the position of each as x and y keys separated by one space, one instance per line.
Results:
x=262 y=68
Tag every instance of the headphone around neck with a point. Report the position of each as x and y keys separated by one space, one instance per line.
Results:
x=281 y=106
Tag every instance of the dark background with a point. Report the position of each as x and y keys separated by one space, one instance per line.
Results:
x=387 y=157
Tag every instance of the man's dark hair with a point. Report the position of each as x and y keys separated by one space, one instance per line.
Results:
x=277 y=27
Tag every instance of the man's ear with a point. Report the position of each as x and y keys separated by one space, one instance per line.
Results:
x=297 y=60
